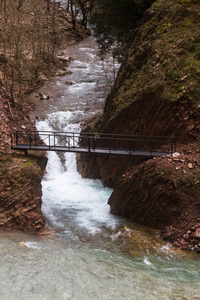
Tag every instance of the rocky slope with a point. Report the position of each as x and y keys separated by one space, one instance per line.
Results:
x=157 y=93
x=20 y=176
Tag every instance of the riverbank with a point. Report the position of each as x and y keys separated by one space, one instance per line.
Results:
x=20 y=176
x=157 y=93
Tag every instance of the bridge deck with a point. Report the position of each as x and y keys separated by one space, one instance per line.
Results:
x=96 y=143
x=94 y=151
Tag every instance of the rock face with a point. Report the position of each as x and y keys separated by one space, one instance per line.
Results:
x=20 y=176
x=157 y=92
x=157 y=88
x=20 y=205
x=163 y=194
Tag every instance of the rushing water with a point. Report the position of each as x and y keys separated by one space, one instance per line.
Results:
x=90 y=254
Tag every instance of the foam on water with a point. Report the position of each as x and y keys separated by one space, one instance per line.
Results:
x=147 y=262
x=65 y=191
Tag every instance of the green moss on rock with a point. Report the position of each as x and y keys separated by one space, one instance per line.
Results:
x=165 y=55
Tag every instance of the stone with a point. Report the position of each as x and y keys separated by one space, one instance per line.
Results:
x=62 y=73
x=68 y=82
x=43 y=77
x=175 y=154
x=176 y=244
x=184 y=247
x=175 y=159
x=190 y=166
x=197 y=233
x=64 y=59
x=183 y=241
x=43 y=97
x=186 y=236
x=22 y=244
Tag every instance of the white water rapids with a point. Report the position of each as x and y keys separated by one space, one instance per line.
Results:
x=91 y=254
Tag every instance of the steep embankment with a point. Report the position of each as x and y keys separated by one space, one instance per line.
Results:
x=20 y=176
x=157 y=93
x=35 y=32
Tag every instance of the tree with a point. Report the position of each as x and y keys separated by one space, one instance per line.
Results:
x=114 y=22
x=80 y=9
x=86 y=7
x=28 y=37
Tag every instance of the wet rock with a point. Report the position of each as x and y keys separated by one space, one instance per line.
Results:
x=23 y=245
x=43 y=77
x=184 y=247
x=61 y=73
x=64 y=59
x=43 y=97
x=176 y=244
x=68 y=82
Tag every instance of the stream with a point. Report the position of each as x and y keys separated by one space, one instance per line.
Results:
x=90 y=254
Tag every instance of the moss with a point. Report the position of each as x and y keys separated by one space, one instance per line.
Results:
x=189 y=183
x=166 y=172
x=28 y=163
x=165 y=51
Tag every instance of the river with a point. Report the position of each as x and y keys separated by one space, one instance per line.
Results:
x=90 y=254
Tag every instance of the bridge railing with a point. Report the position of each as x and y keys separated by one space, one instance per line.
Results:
x=129 y=143
x=91 y=142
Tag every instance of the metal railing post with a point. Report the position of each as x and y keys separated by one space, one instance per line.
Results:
x=30 y=139
x=49 y=141
x=11 y=140
x=150 y=148
x=93 y=142
x=171 y=147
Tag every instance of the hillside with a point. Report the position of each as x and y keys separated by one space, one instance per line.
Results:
x=30 y=36
x=157 y=92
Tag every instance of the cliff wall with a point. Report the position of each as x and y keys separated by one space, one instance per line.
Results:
x=157 y=92
x=20 y=176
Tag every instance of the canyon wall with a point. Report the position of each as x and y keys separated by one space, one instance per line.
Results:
x=157 y=92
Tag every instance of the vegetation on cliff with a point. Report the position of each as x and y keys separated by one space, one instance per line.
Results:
x=157 y=93
x=164 y=58
x=114 y=22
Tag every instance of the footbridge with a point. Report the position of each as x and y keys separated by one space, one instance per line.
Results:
x=96 y=143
